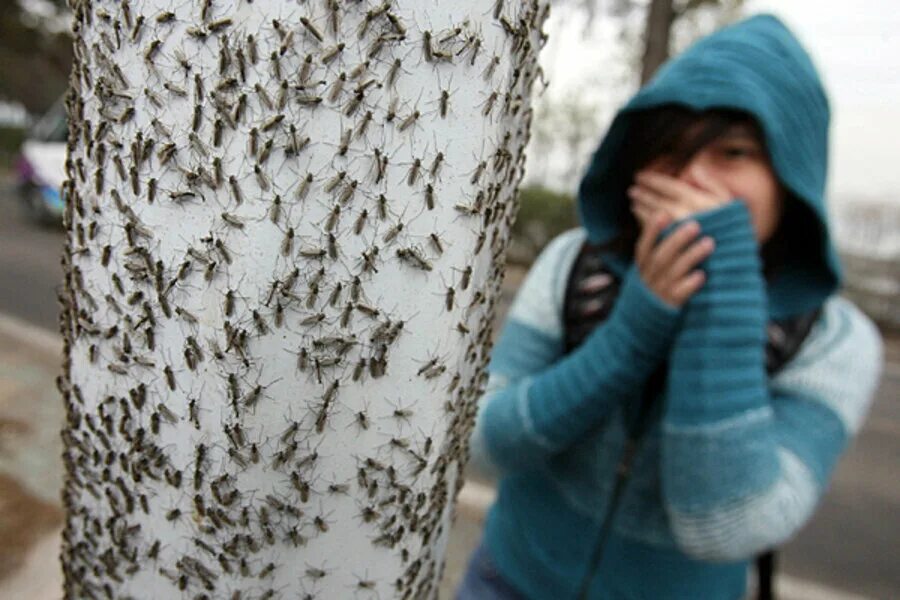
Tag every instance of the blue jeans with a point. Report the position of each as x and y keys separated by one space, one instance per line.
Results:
x=483 y=581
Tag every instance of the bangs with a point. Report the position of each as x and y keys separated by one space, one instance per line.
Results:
x=678 y=133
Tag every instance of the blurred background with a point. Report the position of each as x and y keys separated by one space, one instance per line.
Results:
x=599 y=52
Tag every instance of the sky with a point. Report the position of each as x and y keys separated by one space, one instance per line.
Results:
x=856 y=47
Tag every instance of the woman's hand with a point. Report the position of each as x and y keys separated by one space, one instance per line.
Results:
x=667 y=267
x=654 y=191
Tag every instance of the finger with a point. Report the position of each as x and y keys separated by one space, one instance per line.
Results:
x=688 y=286
x=643 y=192
x=690 y=258
x=646 y=216
x=650 y=202
x=641 y=213
x=710 y=183
x=665 y=185
x=691 y=197
x=667 y=250
x=656 y=224
x=674 y=192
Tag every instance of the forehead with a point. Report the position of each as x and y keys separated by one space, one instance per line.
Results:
x=739 y=129
x=742 y=130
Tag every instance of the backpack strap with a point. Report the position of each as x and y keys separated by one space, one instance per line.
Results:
x=591 y=290
x=765 y=572
x=784 y=340
x=785 y=337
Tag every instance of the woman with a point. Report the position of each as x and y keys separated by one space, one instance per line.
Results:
x=705 y=198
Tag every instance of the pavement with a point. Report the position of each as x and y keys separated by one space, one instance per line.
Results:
x=31 y=415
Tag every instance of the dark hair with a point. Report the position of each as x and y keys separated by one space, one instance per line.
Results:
x=679 y=133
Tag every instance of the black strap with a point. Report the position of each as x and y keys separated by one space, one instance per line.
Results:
x=636 y=429
x=622 y=473
x=765 y=571
x=591 y=291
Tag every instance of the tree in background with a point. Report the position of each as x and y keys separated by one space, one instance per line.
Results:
x=681 y=22
x=651 y=26
x=286 y=230
x=35 y=53
x=568 y=122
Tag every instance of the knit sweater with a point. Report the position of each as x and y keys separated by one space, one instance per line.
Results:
x=735 y=464
x=735 y=461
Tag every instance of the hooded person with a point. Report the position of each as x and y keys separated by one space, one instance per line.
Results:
x=734 y=459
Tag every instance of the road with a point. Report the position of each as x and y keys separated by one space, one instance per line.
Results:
x=851 y=543
x=30 y=273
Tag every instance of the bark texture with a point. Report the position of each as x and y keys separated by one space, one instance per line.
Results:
x=287 y=223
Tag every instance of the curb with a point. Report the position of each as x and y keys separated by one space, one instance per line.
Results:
x=42 y=339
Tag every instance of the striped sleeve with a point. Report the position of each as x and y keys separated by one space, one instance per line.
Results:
x=744 y=460
x=539 y=402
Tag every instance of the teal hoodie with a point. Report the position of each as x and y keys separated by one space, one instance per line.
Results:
x=759 y=67
x=735 y=461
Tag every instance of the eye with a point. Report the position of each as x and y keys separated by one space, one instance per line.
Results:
x=736 y=151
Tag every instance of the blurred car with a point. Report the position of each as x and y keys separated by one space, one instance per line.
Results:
x=40 y=166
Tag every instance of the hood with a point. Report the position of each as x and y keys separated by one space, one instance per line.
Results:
x=756 y=66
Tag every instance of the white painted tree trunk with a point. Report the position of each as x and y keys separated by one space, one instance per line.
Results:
x=287 y=223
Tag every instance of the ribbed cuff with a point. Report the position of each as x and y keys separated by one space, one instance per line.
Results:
x=732 y=217
x=717 y=365
x=729 y=225
x=642 y=321
x=567 y=400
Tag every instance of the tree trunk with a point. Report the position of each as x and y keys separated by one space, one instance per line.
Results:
x=660 y=16
x=286 y=229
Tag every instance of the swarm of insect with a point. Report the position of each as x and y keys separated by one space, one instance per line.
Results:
x=237 y=138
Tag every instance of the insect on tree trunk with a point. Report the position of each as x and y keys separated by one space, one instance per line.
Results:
x=286 y=227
